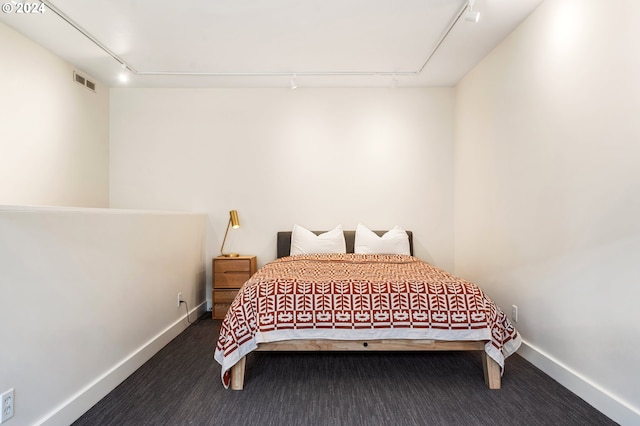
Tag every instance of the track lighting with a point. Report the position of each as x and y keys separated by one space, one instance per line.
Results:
x=124 y=74
x=128 y=69
x=471 y=16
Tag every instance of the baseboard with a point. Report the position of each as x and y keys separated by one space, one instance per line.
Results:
x=618 y=410
x=78 y=404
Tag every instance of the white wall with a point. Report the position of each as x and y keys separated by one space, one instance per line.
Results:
x=547 y=192
x=88 y=295
x=54 y=133
x=314 y=157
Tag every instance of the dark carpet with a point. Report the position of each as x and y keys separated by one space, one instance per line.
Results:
x=181 y=385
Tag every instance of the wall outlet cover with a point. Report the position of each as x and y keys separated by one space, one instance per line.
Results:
x=8 y=405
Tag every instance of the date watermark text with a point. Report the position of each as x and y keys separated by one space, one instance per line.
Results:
x=23 y=8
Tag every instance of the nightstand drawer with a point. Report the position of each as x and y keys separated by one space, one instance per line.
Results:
x=232 y=265
x=224 y=296
x=220 y=310
x=230 y=279
x=222 y=299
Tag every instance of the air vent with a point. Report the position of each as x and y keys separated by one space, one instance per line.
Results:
x=83 y=81
x=78 y=78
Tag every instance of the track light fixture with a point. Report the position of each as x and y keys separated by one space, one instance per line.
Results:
x=124 y=74
x=294 y=84
x=471 y=16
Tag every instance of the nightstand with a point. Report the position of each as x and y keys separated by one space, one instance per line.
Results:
x=228 y=275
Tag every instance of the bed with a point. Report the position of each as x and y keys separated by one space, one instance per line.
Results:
x=360 y=302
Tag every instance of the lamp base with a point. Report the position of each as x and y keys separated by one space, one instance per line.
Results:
x=230 y=255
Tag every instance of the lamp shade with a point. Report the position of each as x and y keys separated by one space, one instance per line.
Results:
x=233 y=215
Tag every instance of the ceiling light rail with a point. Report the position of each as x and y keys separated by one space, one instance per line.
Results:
x=78 y=27
x=467 y=6
x=277 y=73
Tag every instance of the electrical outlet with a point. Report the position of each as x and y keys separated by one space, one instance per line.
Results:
x=179 y=299
x=514 y=313
x=8 y=405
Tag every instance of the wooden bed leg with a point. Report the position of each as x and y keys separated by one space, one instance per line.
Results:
x=237 y=374
x=491 y=372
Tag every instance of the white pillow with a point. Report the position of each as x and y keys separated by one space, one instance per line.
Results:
x=304 y=241
x=394 y=241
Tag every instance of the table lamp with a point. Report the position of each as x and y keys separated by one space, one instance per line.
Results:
x=233 y=223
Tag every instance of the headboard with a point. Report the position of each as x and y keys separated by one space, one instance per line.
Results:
x=284 y=241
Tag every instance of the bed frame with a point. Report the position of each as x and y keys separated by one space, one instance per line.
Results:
x=490 y=368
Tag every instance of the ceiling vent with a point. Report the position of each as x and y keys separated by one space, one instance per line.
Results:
x=84 y=81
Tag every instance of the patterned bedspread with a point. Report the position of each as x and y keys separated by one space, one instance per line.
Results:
x=357 y=296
